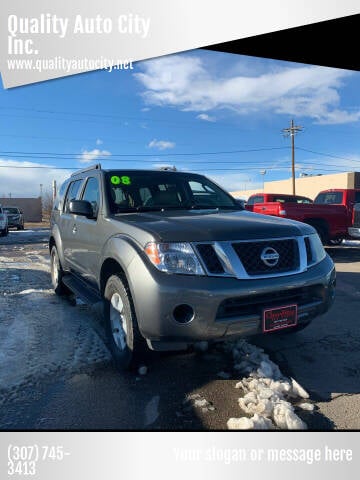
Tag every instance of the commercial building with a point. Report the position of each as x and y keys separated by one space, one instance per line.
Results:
x=308 y=186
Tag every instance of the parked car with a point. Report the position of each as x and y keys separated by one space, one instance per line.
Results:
x=176 y=260
x=350 y=199
x=4 y=229
x=15 y=217
x=332 y=213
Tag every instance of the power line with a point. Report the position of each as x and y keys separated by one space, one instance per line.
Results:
x=194 y=154
x=49 y=167
x=327 y=155
x=119 y=117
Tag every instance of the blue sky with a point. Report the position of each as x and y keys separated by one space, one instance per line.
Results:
x=196 y=103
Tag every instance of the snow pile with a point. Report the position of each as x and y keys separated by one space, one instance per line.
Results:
x=267 y=392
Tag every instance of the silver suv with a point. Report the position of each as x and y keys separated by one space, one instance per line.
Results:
x=175 y=260
x=15 y=217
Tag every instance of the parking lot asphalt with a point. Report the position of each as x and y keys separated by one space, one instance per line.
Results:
x=56 y=371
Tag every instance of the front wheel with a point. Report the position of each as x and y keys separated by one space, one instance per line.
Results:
x=126 y=343
x=57 y=273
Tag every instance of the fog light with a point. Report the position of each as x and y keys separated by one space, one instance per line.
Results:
x=183 y=313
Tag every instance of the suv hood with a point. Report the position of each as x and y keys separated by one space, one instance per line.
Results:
x=210 y=225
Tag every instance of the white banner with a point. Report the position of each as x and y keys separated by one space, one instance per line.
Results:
x=139 y=455
x=42 y=40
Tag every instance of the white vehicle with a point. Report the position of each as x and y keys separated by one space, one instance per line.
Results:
x=4 y=229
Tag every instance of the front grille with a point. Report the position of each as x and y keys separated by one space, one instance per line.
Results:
x=250 y=256
x=210 y=258
x=245 y=306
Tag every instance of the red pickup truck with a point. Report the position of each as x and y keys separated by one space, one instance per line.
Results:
x=335 y=214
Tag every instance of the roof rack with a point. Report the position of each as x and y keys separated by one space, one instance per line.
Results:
x=92 y=167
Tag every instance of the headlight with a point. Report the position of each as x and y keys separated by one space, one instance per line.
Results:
x=174 y=258
x=317 y=250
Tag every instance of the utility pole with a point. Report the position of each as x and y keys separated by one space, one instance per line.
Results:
x=263 y=173
x=54 y=192
x=291 y=132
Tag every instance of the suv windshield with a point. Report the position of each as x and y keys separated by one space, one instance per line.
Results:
x=11 y=210
x=130 y=191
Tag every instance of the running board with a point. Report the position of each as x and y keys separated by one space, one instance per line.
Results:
x=81 y=289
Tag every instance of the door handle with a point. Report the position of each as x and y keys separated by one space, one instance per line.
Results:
x=74 y=229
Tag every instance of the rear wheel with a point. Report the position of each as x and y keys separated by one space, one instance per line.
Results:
x=57 y=273
x=126 y=343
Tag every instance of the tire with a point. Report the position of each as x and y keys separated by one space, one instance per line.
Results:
x=125 y=341
x=57 y=273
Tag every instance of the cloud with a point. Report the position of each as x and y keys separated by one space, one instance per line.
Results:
x=233 y=181
x=206 y=117
x=161 y=144
x=188 y=83
x=99 y=141
x=25 y=182
x=88 y=156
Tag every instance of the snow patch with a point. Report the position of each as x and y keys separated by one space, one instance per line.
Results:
x=195 y=400
x=254 y=423
x=267 y=392
x=34 y=290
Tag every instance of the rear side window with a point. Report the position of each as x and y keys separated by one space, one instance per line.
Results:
x=329 y=198
x=357 y=197
x=256 y=199
x=60 y=196
x=91 y=194
x=71 y=194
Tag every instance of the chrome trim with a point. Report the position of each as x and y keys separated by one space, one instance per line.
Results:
x=233 y=266
x=354 y=232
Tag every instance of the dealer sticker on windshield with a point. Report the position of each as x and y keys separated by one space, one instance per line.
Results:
x=279 y=318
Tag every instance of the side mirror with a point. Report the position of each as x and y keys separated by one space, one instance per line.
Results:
x=81 y=207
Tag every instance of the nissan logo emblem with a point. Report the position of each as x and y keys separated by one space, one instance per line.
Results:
x=270 y=256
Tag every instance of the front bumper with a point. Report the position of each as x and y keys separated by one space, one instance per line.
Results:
x=354 y=232
x=157 y=294
x=14 y=222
